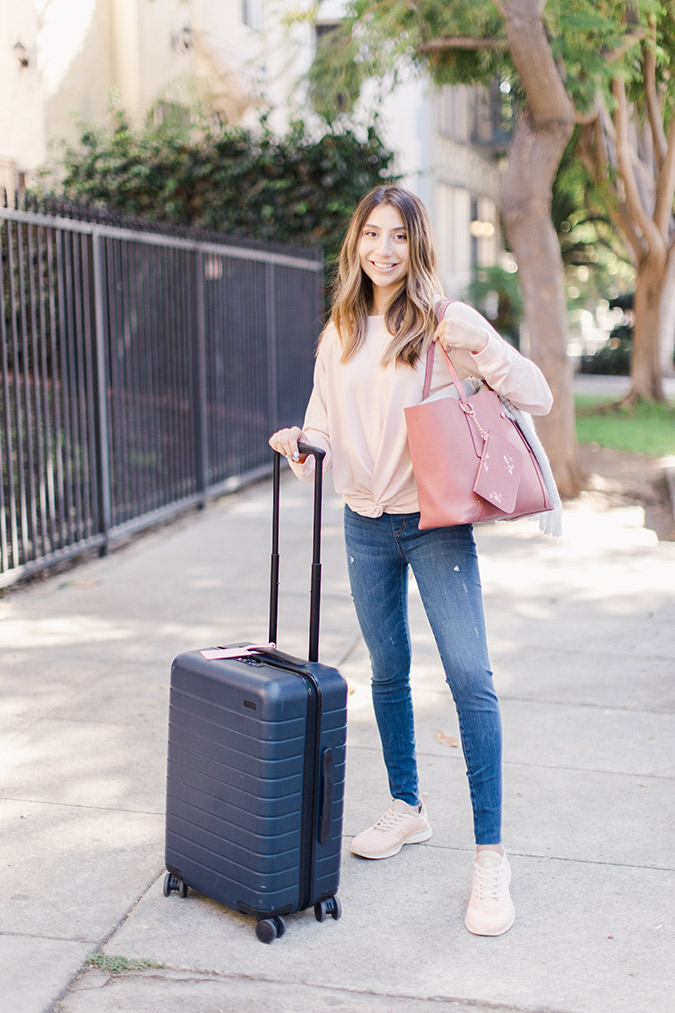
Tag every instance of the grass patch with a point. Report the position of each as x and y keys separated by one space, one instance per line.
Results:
x=117 y=964
x=647 y=428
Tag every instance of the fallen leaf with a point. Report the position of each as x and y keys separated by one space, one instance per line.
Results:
x=445 y=740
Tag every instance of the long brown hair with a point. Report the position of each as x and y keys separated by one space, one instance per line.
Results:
x=410 y=316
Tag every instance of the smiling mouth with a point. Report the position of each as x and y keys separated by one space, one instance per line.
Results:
x=382 y=267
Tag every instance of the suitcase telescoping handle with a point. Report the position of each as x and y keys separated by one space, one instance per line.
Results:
x=315 y=586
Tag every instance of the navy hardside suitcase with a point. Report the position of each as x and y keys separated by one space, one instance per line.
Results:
x=256 y=761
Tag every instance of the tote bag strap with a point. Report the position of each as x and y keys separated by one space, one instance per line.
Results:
x=426 y=390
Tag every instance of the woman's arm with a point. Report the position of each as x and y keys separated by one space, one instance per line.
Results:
x=314 y=429
x=477 y=350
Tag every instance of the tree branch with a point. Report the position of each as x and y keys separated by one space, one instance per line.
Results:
x=595 y=157
x=530 y=49
x=434 y=45
x=585 y=150
x=606 y=120
x=629 y=39
x=647 y=226
x=605 y=135
x=665 y=187
x=654 y=105
x=642 y=154
x=584 y=119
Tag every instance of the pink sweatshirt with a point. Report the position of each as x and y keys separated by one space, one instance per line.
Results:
x=355 y=412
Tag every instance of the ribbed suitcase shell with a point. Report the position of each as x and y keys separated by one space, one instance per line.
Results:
x=256 y=768
x=244 y=787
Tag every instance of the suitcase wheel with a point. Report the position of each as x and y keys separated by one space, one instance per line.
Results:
x=173 y=884
x=331 y=907
x=269 y=929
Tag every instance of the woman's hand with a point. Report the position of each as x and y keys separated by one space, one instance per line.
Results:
x=462 y=327
x=285 y=441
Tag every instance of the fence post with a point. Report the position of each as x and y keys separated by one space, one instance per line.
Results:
x=101 y=387
x=200 y=389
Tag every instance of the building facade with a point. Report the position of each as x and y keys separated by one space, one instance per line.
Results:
x=68 y=62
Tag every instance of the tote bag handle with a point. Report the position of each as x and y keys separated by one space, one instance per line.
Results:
x=426 y=390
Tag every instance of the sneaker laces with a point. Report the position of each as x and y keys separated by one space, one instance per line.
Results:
x=488 y=880
x=392 y=817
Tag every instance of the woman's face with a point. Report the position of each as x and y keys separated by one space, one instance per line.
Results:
x=383 y=252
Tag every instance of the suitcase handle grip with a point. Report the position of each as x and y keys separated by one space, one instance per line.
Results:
x=308 y=449
x=327 y=780
x=315 y=585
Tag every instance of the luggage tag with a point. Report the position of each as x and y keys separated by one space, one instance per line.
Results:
x=245 y=651
x=499 y=473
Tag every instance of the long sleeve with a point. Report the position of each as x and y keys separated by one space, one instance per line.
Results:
x=500 y=365
x=315 y=425
x=356 y=411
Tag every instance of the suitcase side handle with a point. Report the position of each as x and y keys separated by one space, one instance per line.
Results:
x=315 y=584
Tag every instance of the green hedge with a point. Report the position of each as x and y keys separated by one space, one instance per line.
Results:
x=294 y=189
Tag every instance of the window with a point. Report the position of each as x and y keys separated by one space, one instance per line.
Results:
x=474 y=237
x=171 y=114
x=252 y=14
x=323 y=29
x=452 y=107
x=491 y=116
x=329 y=87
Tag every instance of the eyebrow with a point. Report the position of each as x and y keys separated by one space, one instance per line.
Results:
x=399 y=228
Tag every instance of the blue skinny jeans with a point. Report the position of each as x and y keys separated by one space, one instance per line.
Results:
x=445 y=565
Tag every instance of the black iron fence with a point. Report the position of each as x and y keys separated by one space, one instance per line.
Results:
x=141 y=373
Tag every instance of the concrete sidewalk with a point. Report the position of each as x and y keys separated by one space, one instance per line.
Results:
x=582 y=635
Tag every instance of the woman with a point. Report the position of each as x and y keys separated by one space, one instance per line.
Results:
x=370 y=366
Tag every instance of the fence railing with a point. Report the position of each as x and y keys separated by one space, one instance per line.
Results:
x=141 y=373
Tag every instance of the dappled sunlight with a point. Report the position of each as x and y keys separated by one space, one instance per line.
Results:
x=199 y=583
x=253 y=509
x=294 y=496
x=360 y=706
x=580 y=644
x=63 y=27
x=58 y=631
x=86 y=764
x=596 y=569
x=607 y=522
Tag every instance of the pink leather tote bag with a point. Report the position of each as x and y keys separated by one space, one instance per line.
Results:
x=471 y=461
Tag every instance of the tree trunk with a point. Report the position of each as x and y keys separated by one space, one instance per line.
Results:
x=667 y=321
x=534 y=155
x=645 y=360
x=543 y=130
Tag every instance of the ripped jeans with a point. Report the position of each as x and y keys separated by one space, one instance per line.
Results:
x=445 y=565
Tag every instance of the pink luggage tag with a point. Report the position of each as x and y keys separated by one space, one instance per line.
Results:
x=499 y=473
x=220 y=653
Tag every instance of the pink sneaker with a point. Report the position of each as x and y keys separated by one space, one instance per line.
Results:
x=490 y=911
x=402 y=824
